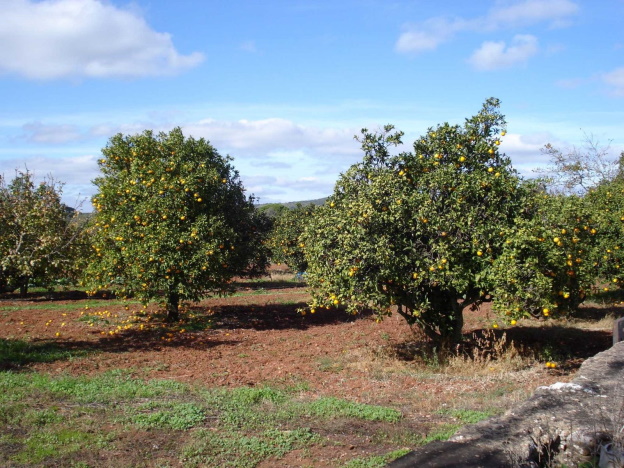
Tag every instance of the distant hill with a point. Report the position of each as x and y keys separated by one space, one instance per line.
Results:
x=272 y=209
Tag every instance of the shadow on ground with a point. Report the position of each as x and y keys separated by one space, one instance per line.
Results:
x=52 y=296
x=274 y=316
x=566 y=345
x=200 y=328
x=268 y=284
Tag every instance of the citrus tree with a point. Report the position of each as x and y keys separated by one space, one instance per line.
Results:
x=172 y=221
x=37 y=233
x=421 y=229
x=285 y=243
x=548 y=260
x=607 y=203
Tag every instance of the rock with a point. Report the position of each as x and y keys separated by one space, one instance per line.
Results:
x=618 y=330
x=611 y=456
x=569 y=420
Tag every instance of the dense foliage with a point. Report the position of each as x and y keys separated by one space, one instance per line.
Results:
x=37 y=233
x=172 y=221
x=420 y=229
x=547 y=264
x=285 y=243
x=607 y=205
x=450 y=224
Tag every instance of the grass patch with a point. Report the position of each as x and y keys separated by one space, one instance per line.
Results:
x=59 y=419
x=442 y=432
x=330 y=407
x=75 y=305
x=111 y=387
x=376 y=461
x=20 y=352
x=93 y=319
x=54 y=443
x=466 y=416
x=211 y=448
x=178 y=416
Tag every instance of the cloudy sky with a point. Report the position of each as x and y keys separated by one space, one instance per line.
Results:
x=284 y=85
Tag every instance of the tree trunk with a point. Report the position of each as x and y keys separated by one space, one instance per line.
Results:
x=458 y=324
x=173 y=300
x=444 y=323
x=23 y=286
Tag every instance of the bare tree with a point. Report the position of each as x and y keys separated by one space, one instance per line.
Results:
x=578 y=169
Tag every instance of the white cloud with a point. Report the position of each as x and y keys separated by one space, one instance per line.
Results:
x=83 y=38
x=615 y=79
x=496 y=55
x=69 y=170
x=37 y=132
x=274 y=135
x=429 y=34
x=260 y=180
x=271 y=164
x=529 y=12
x=75 y=173
x=525 y=151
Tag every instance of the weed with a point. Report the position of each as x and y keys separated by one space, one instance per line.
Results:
x=43 y=417
x=376 y=461
x=178 y=416
x=334 y=407
x=105 y=388
x=442 y=432
x=54 y=442
x=233 y=449
x=68 y=306
x=19 y=353
x=466 y=416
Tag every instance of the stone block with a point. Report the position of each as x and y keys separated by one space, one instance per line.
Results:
x=618 y=330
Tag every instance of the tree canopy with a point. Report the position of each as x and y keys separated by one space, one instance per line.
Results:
x=172 y=220
x=36 y=233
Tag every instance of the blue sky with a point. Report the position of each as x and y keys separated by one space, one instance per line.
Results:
x=283 y=86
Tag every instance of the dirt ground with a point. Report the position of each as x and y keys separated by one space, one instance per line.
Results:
x=257 y=337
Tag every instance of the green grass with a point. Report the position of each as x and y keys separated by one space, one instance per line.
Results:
x=61 y=418
x=376 y=461
x=166 y=415
x=19 y=352
x=442 y=432
x=233 y=449
x=330 y=407
x=108 y=388
x=467 y=416
x=74 y=305
x=51 y=443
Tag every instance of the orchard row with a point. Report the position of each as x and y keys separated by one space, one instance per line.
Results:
x=424 y=232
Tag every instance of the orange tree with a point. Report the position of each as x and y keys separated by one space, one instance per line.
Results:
x=172 y=221
x=547 y=263
x=607 y=203
x=284 y=242
x=37 y=235
x=420 y=230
